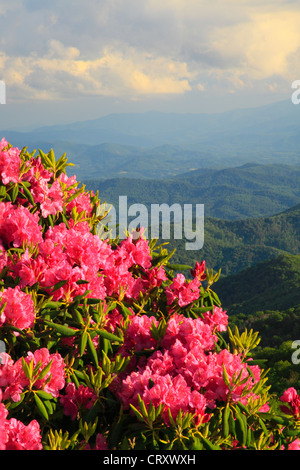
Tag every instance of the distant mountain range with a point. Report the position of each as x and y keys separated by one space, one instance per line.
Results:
x=161 y=145
x=250 y=190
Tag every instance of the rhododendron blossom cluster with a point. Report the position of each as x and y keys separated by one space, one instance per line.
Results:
x=13 y=380
x=18 y=308
x=105 y=347
x=185 y=364
x=14 y=435
x=292 y=400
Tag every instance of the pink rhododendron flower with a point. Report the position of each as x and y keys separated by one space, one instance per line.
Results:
x=138 y=335
x=30 y=270
x=18 y=225
x=185 y=374
x=3 y=143
x=54 y=380
x=114 y=319
x=137 y=250
x=36 y=174
x=82 y=202
x=154 y=277
x=199 y=271
x=13 y=379
x=185 y=292
x=3 y=257
x=9 y=163
x=295 y=445
x=76 y=399
x=21 y=437
x=101 y=443
x=53 y=201
x=14 y=435
x=217 y=319
x=3 y=431
x=171 y=392
x=19 y=308
x=7 y=371
x=190 y=332
x=291 y=397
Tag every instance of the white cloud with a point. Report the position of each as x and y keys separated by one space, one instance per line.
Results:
x=54 y=50
x=62 y=73
x=262 y=47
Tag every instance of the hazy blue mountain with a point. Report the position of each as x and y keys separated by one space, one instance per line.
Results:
x=160 y=145
x=156 y=128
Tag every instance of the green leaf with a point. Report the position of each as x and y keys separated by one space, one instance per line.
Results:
x=137 y=413
x=225 y=377
x=196 y=444
x=263 y=426
x=110 y=336
x=62 y=329
x=241 y=428
x=178 y=267
x=83 y=341
x=209 y=445
x=26 y=369
x=74 y=195
x=110 y=307
x=53 y=304
x=277 y=419
x=2 y=190
x=143 y=407
x=41 y=407
x=226 y=414
x=28 y=194
x=43 y=394
x=92 y=301
x=125 y=310
x=15 y=193
x=45 y=371
x=232 y=424
x=78 y=316
x=92 y=350
x=49 y=406
x=58 y=285
x=243 y=407
x=52 y=158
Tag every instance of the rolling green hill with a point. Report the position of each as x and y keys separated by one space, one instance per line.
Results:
x=237 y=245
x=250 y=190
x=266 y=299
x=269 y=285
x=277 y=329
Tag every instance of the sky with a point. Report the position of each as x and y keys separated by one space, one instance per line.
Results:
x=74 y=60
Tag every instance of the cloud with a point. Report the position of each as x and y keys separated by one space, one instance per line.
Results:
x=134 y=49
x=63 y=73
x=264 y=46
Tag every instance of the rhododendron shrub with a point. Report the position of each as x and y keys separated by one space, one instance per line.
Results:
x=108 y=346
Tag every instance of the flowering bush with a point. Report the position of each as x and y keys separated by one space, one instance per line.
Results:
x=104 y=347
